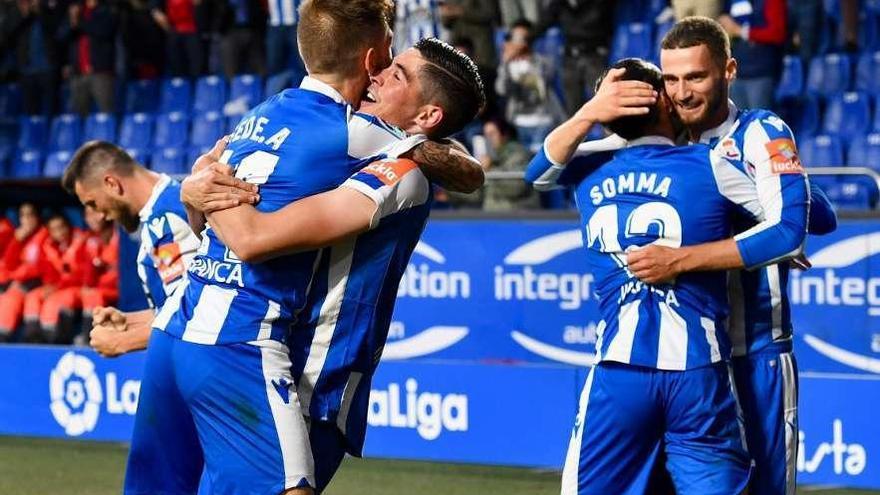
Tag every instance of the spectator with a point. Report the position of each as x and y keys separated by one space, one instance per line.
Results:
x=806 y=18
x=758 y=36
x=476 y=20
x=184 y=49
x=525 y=80
x=90 y=32
x=22 y=261
x=101 y=279
x=506 y=154
x=849 y=10
x=242 y=24
x=705 y=8
x=282 y=52
x=416 y=19
x=33 y=42
x=514 y=10
x=7 y=231
x=587 y=26
x=49 y=308
x=143 y=39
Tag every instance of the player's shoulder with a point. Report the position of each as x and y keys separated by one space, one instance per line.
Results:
x=757 y=123
x=360 y=122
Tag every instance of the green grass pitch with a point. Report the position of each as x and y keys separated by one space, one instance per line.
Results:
x=31 y=466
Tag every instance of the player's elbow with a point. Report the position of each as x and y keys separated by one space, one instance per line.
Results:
x=473 y=180
x=247 y=249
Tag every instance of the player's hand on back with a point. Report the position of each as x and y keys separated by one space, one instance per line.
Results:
x=616 y=98
x=653 y=264
x=213 y=186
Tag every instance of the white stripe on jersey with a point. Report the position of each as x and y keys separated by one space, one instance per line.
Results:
x=672 y=345
x=775 y=285
x=573 y=456
x=620 y=347
x=143 y=252
x=273 y=312
x=290 y=424
x=209 y=315
x=709 y=326
x=171 y=306
x=735 y=185
x=790 y=416
x=340 y=266
x=347 y=396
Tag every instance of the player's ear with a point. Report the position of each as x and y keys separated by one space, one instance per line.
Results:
x=112 y=185
x=430 y=117
x=730 y=70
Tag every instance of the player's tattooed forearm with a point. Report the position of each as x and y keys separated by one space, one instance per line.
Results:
x=449 y=165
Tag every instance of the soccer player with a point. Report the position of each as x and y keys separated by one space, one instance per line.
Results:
x=661 y=381
x=230 y=319
x=107 y=180
x=338 y=338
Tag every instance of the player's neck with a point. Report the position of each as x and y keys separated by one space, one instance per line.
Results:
x=351 y=89
x=141 y=184
x=696 y=132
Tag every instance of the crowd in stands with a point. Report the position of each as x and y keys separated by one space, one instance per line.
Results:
x=164 y=78
x=53 y=275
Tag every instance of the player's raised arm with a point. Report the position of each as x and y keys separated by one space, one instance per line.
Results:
x=381 y=189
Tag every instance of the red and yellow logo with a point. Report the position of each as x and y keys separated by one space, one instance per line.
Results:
x=169 y=262
x=390 y=171
x=784 y=157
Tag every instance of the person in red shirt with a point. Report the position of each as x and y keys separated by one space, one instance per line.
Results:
x=62 y=274
x=22 y=261
x=7 y=232
x=101 y=287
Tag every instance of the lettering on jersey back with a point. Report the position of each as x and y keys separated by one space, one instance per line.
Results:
x=252 y=128
x=632 y=182
x=783 y=157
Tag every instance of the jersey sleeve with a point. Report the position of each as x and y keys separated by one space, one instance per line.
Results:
x=545 y=174
x=394 y=185
x=172 y=247
x=823 y=219
x=771 y=156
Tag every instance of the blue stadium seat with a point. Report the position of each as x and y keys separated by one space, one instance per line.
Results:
x=141 y=156
x=65 y=133
x=27 y=165
x=550 y=45
x=206 y=130
x=850 y=193
x=802 y=115
x=136 y=131
x=791 y=83
x=829 y=74
x=100 y=126
x=141 y=95
x=8 y=134
x=248 y=88
x=172 y=130
x=821 y=151
x=866 y=69
x=210 y=94
x=169 y=161
x=848 y=115
x=632 y=40
x=10 y=101
x=32 y=132
x=56 y=163
x=660 y=31
x=176 y=95
x=864 y=151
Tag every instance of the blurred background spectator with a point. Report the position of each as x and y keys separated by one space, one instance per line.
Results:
x=183 y=38
x=705 y=8
x=90 y=34
x=514 y=10
x=476 y=20
x=242 y=27
x=505 y=154
x=416 y=19
x=282 y=52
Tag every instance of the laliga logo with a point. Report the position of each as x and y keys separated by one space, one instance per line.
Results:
x=833 y=290
x=525 y=284
x=76 y=394
x=428 y=413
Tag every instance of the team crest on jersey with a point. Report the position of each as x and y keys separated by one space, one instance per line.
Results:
x=389 y=171
x=783 y=157
x=729 y=149
x=169 y=262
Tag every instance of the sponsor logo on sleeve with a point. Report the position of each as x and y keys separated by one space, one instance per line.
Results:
x=390 y=171
x=169 y=262
x=783 y=157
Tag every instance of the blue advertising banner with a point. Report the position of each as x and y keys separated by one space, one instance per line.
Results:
x=511 y=414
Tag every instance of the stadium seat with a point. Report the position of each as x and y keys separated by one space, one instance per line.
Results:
x=56 y=163
x=100 y=126
x=866 y=70
x=821 y=151
x=864 y=151
x=829 y=74
x=32 y=132
x=10 y=101
x=848 y=115
x=632 y=40
x=141 y=95
x=791 y=83
x=176 y=95
x=172 y=130
x=169 y=161
x=141 y=156
x=802 y=115
x=210 y=94
x=206 y=130
x=247 y=88
x=65 y=133
x=136 y=131
x=27 y=165
x=853 y=194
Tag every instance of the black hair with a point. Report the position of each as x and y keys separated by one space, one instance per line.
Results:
x=636 y=126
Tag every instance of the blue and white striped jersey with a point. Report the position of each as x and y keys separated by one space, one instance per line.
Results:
x=168 y=244
x=645 y=194
x=297 y=143
x=337 y=342
x=416 y=19
x=761 y=144
x=283 y=12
